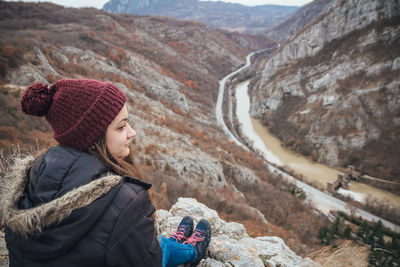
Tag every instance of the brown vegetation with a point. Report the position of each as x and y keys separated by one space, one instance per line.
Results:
x=344 y=253
x=50 y=28
x=382 y=209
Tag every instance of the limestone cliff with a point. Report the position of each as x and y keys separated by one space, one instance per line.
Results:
x=299 y=20
x=332 y=91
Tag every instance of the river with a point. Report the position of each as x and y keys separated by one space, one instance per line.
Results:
x=314 y=173
x=273 y=152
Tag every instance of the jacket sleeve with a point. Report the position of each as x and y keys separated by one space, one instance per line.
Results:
x=133 y=241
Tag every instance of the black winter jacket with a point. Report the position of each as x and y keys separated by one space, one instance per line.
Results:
x=67 y=209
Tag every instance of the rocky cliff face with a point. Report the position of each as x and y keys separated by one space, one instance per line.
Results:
x=233 y=17
x=335 y=87
x=299 y=20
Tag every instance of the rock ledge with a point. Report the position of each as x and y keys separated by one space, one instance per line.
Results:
x=230 y=244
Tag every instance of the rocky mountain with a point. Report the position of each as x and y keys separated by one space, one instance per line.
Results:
x=232 y=17
x=299 y=20
x=332 y=91
x=169 y=70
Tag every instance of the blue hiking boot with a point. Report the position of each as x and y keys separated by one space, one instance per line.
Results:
x=185 y=230
x=200 y=239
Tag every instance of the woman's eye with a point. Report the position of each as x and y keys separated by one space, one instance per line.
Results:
x=122 y=127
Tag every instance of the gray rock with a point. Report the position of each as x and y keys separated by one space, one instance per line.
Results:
x=212 y=263
x=195 y=167
x=44 y=63
x=396 y=64
x=60 y=57
x=230 y=245
x=3 y=252
x=26 y=75
x=240 y=174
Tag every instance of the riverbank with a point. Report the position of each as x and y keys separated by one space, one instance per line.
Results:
x=314 y=174
x=317 y=174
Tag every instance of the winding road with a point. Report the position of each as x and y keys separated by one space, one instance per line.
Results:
x=218 y=109
x=321 y=200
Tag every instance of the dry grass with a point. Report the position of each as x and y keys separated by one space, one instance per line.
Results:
x=346 y=254
x=382 y=209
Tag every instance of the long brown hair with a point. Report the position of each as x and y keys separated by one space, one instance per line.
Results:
x=126 y=166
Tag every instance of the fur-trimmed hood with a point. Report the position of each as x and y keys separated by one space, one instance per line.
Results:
x=67 y=209
x=35 y=219
x=61 y=181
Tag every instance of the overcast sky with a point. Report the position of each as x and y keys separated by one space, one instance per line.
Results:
x=100 y=3
x=265 y=2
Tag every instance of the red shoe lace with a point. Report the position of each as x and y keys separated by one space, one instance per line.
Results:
x=180 y=234
x=196 y=237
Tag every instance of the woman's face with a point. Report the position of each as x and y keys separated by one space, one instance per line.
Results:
x=119 y=135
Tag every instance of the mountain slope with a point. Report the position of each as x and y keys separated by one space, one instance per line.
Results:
x=169 y=70
x=233 y=17
x=332 y=91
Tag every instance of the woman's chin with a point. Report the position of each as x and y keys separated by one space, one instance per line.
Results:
x=122 y=155
x=126 y=153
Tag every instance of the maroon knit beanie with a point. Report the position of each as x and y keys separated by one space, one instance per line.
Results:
x=78 y=110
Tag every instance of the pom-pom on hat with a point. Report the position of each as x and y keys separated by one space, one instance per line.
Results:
x=78 y=110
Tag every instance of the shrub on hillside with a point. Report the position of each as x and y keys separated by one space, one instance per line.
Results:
x=382 y=253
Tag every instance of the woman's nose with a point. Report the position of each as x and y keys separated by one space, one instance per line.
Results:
x=131 y=133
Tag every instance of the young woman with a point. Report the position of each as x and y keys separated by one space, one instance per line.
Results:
x=84 y=202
